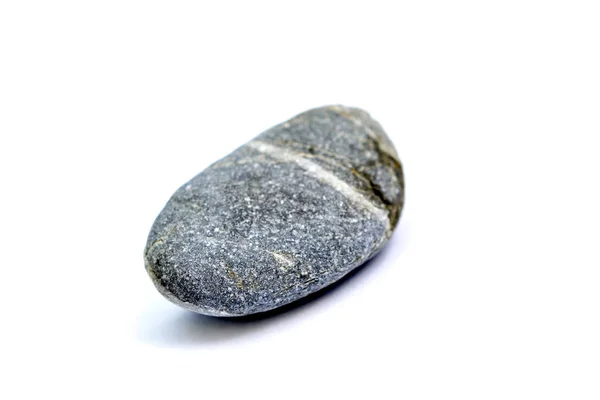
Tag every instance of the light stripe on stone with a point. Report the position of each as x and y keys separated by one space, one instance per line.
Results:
x=317 y=172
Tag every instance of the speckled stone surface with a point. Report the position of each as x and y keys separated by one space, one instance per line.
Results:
x=281 y=217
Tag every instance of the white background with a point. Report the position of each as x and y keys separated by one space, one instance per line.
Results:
x=489 y=289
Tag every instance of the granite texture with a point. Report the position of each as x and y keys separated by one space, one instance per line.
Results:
x=281 y=217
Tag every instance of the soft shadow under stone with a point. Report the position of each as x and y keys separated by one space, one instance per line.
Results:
x=285 y=215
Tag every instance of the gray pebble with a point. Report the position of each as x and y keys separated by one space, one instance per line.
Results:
x=281 y=217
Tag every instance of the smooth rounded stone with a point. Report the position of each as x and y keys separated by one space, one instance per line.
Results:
x=281 y=217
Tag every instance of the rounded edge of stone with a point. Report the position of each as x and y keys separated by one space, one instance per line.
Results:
x=175 y=300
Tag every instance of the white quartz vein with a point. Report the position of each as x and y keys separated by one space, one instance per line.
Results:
x=317 y=172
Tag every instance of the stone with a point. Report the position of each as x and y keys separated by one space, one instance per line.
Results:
x=281 y=217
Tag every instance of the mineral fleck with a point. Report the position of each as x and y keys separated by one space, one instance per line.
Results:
x=281 y=217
